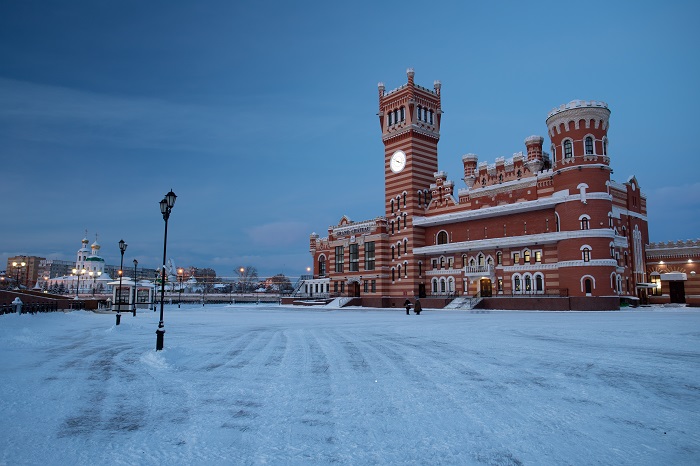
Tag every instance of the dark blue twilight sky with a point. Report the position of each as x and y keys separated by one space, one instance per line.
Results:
x=261 y=116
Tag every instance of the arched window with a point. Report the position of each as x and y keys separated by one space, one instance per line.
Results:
x=442 y=285
x=435 y=285
x=420 y=198
x=554 y=153
x=420 y=113
x=586 y=254
x=516 y=284
x=399 y=268
x=557 y=226
x=393 y=251
x=589 y=145
x=398 y=248
x=392 y=205
x=499 y=258
x=389 y=118
x=393 y=274
x=405 y=270
x=404 y=201
x=588 y=286
x=526 y=256
x=568 y=149
x=450 y=285
x=322 y=266
x=605 y=147
x=539 y=286
x=585 y=222
x=396 y=116
x=442 y=237
x=528 y=283
x=405 y=246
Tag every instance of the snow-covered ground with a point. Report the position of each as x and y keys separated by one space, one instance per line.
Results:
x=277 y=385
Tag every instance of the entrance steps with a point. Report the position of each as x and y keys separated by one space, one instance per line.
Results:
x=465 y=302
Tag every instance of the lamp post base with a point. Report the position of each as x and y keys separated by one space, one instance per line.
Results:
x=160 y=333
x=119 y=318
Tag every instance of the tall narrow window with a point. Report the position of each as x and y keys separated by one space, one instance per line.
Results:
x=568 y=149
x=538 y=256
x=516 y=284
x=589 y=145
x=588 y=285
x=526 y=256
x=393 y=253
x=339 y=258
x=605 y=147
x=403 y=113
x=369 y=255
x=584 y=223
x=322 y=266
x=389 y=118
x=431 y=117
x=538 y=283
x=442 y=237
x=420 y=110
x=499 y=258
x=404 y=202
x=354 y=257
x=420 y=199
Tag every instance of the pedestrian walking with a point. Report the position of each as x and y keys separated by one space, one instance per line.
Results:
x=417 y=308
x=408 y=307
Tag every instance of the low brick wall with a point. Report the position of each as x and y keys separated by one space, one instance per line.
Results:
x=606 y=303
x=58 y=302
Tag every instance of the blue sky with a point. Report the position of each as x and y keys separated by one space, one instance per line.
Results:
x=261 y=116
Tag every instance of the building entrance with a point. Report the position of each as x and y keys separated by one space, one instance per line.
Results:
x=486 y=289
x=677 y=291
x=354 y=290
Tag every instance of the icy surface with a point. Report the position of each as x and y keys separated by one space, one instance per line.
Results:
x=275 y=385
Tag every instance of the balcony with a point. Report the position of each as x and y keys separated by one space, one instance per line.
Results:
x=478 y=270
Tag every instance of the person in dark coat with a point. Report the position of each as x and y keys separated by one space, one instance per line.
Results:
x=408 y=307
x=417 y=308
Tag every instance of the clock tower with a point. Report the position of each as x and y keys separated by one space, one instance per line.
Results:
x=409 y=118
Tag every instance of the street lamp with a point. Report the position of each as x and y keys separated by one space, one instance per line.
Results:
x=166 y=206
x=180 y=273
x=94 y=276
x=78 y=273
x=18 y=266
x=136 y=263
x=122 y=248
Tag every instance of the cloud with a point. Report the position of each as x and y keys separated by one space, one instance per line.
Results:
x=281 y=234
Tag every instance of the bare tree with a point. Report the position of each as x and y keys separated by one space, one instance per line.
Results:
x=247 y=278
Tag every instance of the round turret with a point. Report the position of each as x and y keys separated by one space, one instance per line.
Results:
x=579 y=133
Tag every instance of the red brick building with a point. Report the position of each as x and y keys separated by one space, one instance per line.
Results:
x=532 y=225
x=672 y=270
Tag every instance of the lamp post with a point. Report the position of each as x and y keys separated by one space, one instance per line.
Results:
x=136 y=263
x=122 y=248
x=166 y=206
x=78 y=273
x=94 y=276
x=180 y=273
x=18 y=266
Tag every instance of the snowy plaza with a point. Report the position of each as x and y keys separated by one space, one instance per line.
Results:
x=278 y=385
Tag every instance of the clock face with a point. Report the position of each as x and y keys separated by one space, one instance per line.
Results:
x=398 y=161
